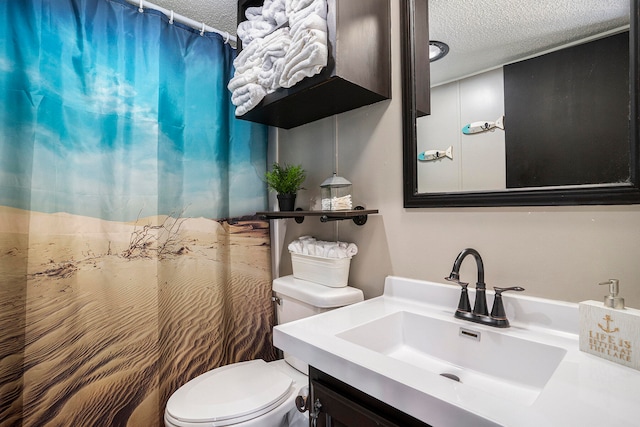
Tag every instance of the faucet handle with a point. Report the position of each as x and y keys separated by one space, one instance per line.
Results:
x=497 y=311
x=512 y=288
x=464 y=304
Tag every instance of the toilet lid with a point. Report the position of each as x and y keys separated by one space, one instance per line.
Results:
x=242 y=390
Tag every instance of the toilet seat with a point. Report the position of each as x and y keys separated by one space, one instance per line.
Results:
x=230 y=394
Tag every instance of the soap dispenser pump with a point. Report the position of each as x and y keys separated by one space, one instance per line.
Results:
x=613 y=300
x=609 y=330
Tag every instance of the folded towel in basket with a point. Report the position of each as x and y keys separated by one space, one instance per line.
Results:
x=307 y=245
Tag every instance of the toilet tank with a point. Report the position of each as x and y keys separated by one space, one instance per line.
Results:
x=298 y=299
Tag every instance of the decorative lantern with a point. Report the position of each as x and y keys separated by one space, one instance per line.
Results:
x=335 y=193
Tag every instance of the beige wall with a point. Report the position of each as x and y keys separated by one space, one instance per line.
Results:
x=555 y=252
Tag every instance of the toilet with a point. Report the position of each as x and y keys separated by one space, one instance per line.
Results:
x=257 y=393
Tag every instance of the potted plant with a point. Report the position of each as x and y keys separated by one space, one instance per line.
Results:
x=286 y=181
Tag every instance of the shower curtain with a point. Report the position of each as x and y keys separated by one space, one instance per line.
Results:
x=120 y=159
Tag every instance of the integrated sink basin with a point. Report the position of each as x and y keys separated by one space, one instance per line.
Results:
x=492 y=361
x=395 y=348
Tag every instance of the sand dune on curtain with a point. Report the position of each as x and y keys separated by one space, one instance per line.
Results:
x=108 y=338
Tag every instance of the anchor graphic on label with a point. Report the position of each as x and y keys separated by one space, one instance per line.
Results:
x=608 y=330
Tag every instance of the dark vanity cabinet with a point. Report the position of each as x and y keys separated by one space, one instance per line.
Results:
x=358 y=71
x=339 y=405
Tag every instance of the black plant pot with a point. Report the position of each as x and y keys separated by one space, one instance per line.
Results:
x=287 y=201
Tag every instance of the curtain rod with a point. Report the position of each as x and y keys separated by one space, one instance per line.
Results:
x=142 y=4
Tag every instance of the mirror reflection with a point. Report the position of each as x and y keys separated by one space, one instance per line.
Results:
x=560 y=119
x=531 y=96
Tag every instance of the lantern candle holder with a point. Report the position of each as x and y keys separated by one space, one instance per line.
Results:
x=335 y=194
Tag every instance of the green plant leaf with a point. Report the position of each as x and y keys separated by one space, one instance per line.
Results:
x=285 y=178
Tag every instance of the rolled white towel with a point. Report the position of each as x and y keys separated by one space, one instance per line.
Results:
x=334 y=251
x=301 y=244
x=249 y=31
x=248 y=58
x=315 y=8
x=246 y=94
x=308 y=247
x=307 y=56
x=270 y=78
x=352 y=249
x=295 y=247
x=274 y=11
x=275 y=44
x=242 y=79
x=297 y=5
x=280 y=17
x=255 y=94
x=253 y=13
x=311 y=22
x=273 y=62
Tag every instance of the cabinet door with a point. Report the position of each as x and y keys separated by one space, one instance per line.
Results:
x=336 y=410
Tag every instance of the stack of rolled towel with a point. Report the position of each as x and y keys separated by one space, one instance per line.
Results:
x=274 y=57
x=308 y=53
x=307 y=245
x=262 y=20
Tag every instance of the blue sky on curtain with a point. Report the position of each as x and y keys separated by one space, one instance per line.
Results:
x=79 y=96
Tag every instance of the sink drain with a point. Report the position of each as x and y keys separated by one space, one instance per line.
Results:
x=451 y=376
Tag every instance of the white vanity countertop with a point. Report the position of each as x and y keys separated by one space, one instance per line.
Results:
x=584 y=390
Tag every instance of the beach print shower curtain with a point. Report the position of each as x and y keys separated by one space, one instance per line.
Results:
x=120 y=159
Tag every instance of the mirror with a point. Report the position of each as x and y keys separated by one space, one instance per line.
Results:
x=481 y=60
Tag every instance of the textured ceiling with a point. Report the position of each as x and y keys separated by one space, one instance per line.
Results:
x=481 y=34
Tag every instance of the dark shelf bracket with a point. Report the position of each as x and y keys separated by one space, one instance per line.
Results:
x=358 y=219
x=325 y=216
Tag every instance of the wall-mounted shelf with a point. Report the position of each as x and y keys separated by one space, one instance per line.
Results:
x=359 y=215
x=358 y=70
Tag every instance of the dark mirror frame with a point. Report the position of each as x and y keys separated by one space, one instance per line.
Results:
x=625 y=193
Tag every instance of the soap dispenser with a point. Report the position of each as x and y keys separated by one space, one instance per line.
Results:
x=609 y=330
x=613 y=300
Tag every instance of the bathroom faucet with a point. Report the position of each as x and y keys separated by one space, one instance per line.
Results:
x=479 y=314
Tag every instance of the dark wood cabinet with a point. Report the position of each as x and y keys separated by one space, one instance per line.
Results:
x=358 y=72
x=422 y=62
x=338 y=404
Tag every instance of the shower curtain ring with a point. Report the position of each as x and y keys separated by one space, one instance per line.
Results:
x=202 y=31
x=141 y=8
x=226 y=40
x=171 y=18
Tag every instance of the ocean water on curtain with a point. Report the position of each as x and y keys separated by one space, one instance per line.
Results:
x=119 y=158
